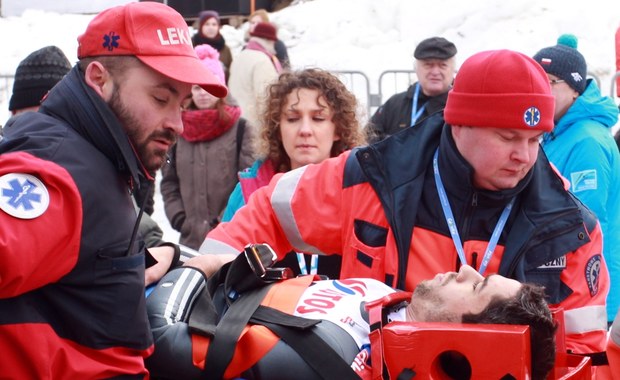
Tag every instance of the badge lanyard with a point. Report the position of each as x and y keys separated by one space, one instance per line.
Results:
x=447 y=212
x=415 y=113
x=314 y=264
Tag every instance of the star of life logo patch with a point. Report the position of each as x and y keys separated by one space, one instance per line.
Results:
x=531 y=116
x=110 y=41
x=23 y=196
x=593 y=273
x=583 y=180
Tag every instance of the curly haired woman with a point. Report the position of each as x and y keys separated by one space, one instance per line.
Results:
x=309 y=116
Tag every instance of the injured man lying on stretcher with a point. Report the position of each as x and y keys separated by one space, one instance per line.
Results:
x=309 y=328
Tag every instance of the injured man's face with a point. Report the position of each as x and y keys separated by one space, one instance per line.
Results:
x=449 y=295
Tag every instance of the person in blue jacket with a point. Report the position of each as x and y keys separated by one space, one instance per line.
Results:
x=582 y=147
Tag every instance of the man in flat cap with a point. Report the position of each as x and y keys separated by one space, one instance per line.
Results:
x=435 y=66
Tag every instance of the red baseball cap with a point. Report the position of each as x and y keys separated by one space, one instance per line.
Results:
x=157 y=35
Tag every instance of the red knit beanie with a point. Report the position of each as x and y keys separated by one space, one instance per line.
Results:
x=265 y=30
x=501 y=89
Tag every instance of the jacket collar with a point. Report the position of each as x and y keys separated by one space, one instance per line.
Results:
x=74 y=102
x=396 y=169
x=457 y=174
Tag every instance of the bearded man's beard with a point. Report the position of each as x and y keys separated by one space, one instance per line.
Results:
x=152 y=159
x=426 y=296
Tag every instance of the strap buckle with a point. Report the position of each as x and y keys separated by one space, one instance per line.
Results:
x=260 y=258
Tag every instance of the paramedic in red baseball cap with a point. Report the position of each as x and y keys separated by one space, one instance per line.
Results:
x=138 y=53
x=77 y=304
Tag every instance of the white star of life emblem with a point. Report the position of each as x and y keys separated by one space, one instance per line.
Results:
x=23 y=196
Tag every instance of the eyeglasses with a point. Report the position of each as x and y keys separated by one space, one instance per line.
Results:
x=556 y=81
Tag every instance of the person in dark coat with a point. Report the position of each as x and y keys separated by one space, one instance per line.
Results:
x=435 y=66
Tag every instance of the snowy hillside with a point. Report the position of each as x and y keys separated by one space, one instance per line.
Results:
x=369 y=36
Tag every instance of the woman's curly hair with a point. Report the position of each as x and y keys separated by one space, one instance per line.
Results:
x=342 y=102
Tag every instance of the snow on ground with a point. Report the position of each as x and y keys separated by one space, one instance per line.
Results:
x=352 y=35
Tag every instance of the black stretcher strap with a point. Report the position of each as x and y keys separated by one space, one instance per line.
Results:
x=228 y=331
x=310 y=347
x=247 y=292
x=203 y=318
x=598 y=358
x=266 y=314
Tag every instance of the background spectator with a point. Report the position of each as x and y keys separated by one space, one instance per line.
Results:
x=208 y=32
x=34 y=77
x=214 y=145
x=253 y=69
x=261 y=15
x=618 y=60
x=435 y=65
x=582 y=147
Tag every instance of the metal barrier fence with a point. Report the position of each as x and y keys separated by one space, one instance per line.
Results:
x=394 y=81
x=389 y=83
x=358 y=83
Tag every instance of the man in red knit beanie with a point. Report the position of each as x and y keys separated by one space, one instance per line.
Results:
x=476 y=189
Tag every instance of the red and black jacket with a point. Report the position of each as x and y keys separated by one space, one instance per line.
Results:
x=71 y=288
x=378 y=208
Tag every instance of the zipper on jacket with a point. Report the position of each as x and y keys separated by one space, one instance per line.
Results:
x=465 y=226
x=474 y=261
x=400 y=280
x=136 y=226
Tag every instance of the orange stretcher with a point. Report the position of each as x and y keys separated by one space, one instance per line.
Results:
x=490 y=351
